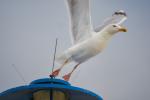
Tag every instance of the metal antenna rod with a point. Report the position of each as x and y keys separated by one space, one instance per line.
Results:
x=13 y=65
x=54 y=55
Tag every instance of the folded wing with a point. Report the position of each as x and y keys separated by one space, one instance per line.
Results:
x=80 y=19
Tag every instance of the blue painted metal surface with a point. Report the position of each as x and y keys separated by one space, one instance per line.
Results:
x=25 y=92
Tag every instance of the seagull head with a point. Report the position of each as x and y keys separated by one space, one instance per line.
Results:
x=115 y=28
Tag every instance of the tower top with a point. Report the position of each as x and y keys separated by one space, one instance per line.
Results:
x=48 y=89
x=50 y=81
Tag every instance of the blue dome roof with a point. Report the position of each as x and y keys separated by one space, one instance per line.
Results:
x=49 y=81
x=26 y=92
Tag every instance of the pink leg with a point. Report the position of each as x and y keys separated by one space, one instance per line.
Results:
x=56 y=72
x=67 y=76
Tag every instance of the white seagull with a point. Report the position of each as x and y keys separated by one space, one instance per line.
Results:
x=87 y=42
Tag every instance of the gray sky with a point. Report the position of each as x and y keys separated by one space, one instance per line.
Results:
x=28 y=29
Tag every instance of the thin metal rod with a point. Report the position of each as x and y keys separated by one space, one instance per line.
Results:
x=16 y=69
x=54 y=55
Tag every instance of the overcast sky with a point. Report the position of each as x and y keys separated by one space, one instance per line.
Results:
x=28 y=29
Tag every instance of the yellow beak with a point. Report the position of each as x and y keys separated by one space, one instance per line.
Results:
x=122 y=29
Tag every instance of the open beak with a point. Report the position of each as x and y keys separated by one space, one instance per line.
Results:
x=122 y=29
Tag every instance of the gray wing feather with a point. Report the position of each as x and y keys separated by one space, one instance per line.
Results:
x=117 y=18
x=80 y=19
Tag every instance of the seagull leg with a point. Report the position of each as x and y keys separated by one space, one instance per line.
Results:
x=67 y=76
x=56 y=72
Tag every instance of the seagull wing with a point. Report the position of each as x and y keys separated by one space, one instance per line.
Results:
x=117 y=18
x=80 y=19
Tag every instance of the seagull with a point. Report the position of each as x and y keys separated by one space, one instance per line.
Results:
x=87 y=42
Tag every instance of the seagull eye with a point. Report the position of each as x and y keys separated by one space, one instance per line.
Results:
x=114 y=26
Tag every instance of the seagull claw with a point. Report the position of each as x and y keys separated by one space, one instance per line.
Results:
x=56 y=72
x=67 y=77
